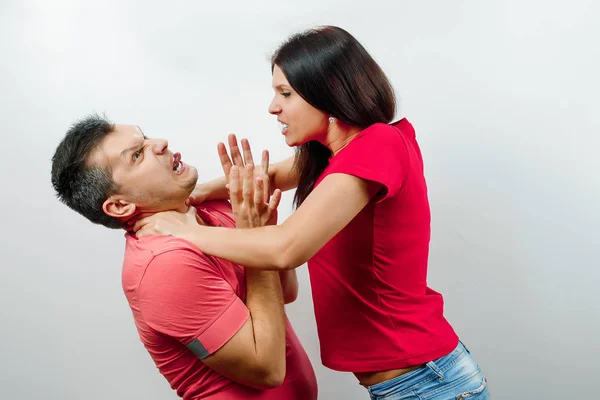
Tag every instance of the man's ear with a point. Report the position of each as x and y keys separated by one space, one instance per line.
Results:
x=118 y=208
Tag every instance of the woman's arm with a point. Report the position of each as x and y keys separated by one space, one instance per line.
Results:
x=326 y=211
x=283 y=176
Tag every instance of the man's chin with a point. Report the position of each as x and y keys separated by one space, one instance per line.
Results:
x=191 y=184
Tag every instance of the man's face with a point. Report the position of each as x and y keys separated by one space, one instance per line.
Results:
x=149 y=176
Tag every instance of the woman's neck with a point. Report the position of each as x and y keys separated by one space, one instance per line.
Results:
x=339 y=135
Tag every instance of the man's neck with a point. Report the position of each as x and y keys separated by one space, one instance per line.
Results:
x=128 y=224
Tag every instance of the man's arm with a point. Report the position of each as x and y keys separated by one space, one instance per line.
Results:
x=281 y=176
x=289 y=285
x=264 y=298
x=255 y=355
x=184 y=295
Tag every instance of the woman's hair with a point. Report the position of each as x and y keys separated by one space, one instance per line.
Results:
x=334 y=73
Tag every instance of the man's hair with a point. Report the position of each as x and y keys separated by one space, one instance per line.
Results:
x=79 y=185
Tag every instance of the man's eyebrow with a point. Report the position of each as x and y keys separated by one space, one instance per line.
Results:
x=132 y=148
x=142 y=132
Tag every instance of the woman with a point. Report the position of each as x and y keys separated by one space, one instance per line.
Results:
x=362 y=223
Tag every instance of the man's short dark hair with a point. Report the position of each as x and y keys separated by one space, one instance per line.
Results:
x=81 y=186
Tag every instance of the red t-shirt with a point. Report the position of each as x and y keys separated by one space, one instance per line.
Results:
x=373 y=308
x=186 y=305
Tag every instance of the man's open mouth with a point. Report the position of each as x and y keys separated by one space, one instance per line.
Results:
x=177 y=164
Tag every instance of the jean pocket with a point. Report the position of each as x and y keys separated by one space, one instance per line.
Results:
x=471 y=394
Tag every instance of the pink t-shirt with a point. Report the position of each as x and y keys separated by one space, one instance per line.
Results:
x=186 y=305
x=373 y=308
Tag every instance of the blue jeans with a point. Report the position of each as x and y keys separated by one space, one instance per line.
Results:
x=453 y=377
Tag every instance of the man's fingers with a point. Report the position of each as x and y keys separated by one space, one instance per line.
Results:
x=234 y=188
x=235 y=151
x=259 y=187
x=265 y=169
x=264 y=162
x=275 y=199
x=247 y=152
x=247 y=186
x=139 y=223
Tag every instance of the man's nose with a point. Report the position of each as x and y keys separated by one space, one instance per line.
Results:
x=160 y=146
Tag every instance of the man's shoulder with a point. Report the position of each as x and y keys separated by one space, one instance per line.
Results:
x=154 y=245
x=159 y=249
x=157 y=257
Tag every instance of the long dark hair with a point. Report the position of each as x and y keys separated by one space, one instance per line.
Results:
x=334 y=73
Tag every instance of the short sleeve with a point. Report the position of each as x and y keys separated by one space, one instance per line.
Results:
x=184 y=295
x=377 y=154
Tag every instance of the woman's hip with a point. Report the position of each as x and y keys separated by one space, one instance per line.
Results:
x=454 y=376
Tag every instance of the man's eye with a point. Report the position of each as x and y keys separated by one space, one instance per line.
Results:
x=137 y=155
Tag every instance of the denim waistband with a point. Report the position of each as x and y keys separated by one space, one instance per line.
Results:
x=436 y=368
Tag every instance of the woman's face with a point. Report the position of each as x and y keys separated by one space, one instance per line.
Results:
x=300 y=122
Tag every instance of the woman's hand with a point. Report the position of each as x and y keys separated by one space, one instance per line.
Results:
x=172 y=223
x=249 y=198
x=236 y=157
x=236 y=160
x=248 y=185
x=216 y=190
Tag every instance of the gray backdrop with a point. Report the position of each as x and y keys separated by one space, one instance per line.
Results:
x=501 y=94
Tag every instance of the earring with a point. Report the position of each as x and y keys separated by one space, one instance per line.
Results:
x=331 y=120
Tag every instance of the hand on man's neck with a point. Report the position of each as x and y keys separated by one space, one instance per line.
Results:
x=129 y=223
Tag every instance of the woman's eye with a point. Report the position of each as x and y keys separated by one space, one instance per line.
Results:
x=286 y=94
x=137 y=155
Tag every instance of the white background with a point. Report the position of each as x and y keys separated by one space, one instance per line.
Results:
x=504 y=98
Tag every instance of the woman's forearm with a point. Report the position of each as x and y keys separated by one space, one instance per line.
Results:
x=261 y=248
x=215 y=189
x=326 y=211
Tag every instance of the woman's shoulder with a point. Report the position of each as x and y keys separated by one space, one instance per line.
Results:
x=381 y=132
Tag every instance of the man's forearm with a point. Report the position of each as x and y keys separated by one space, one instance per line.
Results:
x=265 y=302
x=215 y=189
x=289 y=285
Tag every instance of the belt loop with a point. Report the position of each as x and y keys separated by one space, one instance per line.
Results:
x=371 y=395
x=436 y=370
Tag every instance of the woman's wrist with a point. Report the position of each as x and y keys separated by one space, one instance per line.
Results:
x=215 y=189
x=193 y=234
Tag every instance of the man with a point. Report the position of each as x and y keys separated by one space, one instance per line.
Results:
x=214 y=330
